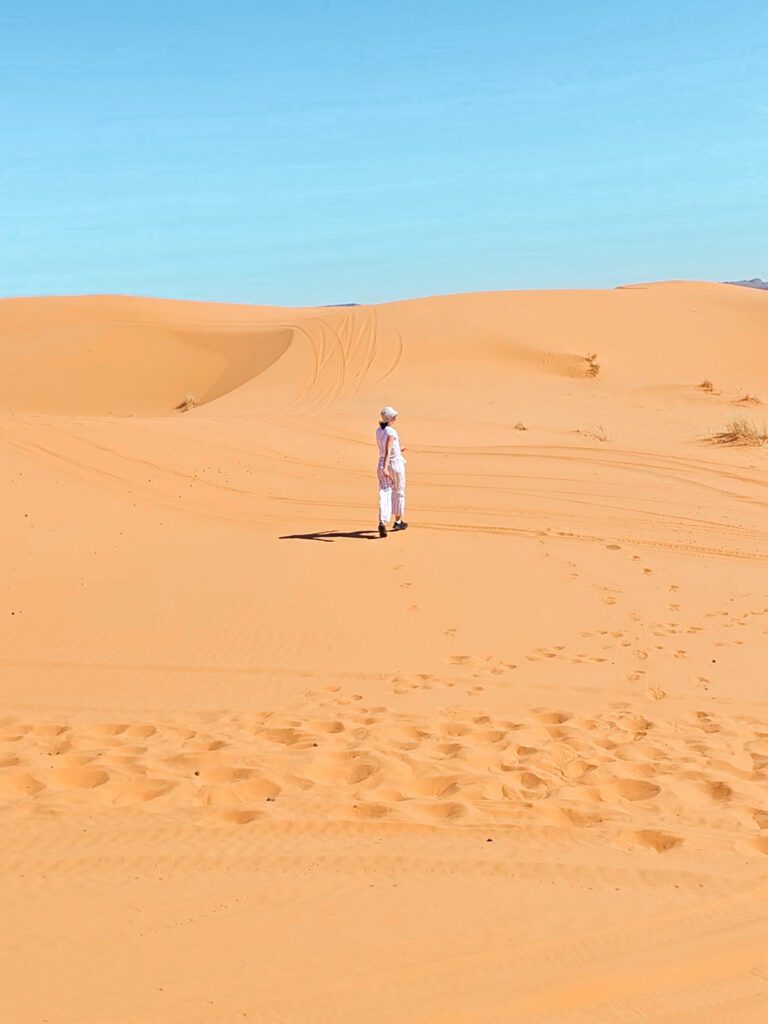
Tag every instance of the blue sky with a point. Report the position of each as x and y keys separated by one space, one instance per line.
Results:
x=308 y=152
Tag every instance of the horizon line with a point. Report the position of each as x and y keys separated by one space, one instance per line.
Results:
x=755 y=283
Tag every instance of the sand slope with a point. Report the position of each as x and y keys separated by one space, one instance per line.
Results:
x=257 y=764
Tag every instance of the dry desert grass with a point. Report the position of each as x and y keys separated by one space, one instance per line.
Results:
x=742 y=432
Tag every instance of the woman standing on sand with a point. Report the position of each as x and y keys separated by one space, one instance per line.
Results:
x=391 y=472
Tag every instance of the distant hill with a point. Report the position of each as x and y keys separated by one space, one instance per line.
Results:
x=753 y=282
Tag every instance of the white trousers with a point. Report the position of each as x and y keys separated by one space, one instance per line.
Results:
x=391 y=492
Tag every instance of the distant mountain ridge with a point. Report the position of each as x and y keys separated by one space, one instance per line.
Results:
x=753 y=282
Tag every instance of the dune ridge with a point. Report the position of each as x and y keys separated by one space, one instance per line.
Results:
x=510 y=765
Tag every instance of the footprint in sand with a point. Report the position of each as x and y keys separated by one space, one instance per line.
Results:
x=553 y=717
x=629 y=789
x=141 y=792
x=141 y=731
x=448 y=811
x=84 y=777
x=47 y=730
x=235 y=817
x=109 y=729
x=285 y=737
x=434 y=786
x=655 y=693
x=370 y=812
x=326 y=726
x=19 y=784
x=649 y=839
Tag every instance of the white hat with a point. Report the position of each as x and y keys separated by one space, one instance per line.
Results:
x=388 y=413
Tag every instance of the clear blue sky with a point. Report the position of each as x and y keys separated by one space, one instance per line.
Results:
x=304 y=152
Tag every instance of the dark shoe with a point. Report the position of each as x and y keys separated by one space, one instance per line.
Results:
x=400 y=526
x=382 y=530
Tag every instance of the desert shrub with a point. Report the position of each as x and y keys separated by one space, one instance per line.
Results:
x=742 y=432
x=593 y=367
x=190 y=401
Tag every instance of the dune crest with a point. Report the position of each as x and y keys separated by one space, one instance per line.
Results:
x=117 y=355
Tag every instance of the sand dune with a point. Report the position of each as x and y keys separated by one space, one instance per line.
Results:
x=511 y=765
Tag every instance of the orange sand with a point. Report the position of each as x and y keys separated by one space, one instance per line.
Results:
x=510 y=767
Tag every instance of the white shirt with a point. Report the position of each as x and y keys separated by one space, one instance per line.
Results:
x=395 y=453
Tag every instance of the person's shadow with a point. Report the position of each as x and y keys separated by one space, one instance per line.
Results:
x=329 y=536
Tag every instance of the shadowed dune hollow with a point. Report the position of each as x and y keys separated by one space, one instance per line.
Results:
x=110 y=358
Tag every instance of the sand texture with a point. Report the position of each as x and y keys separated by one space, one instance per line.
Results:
x=510 y=767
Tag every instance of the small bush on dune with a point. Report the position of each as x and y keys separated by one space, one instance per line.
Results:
x=190 y=401
x=749 y=399
x=707 y=385
x=593 y=367
x=597 y=434
x=742 y=432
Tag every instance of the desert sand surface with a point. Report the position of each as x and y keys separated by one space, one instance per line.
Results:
x=508 y=767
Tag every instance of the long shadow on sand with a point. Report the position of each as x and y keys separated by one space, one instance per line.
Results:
x=329 y=536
